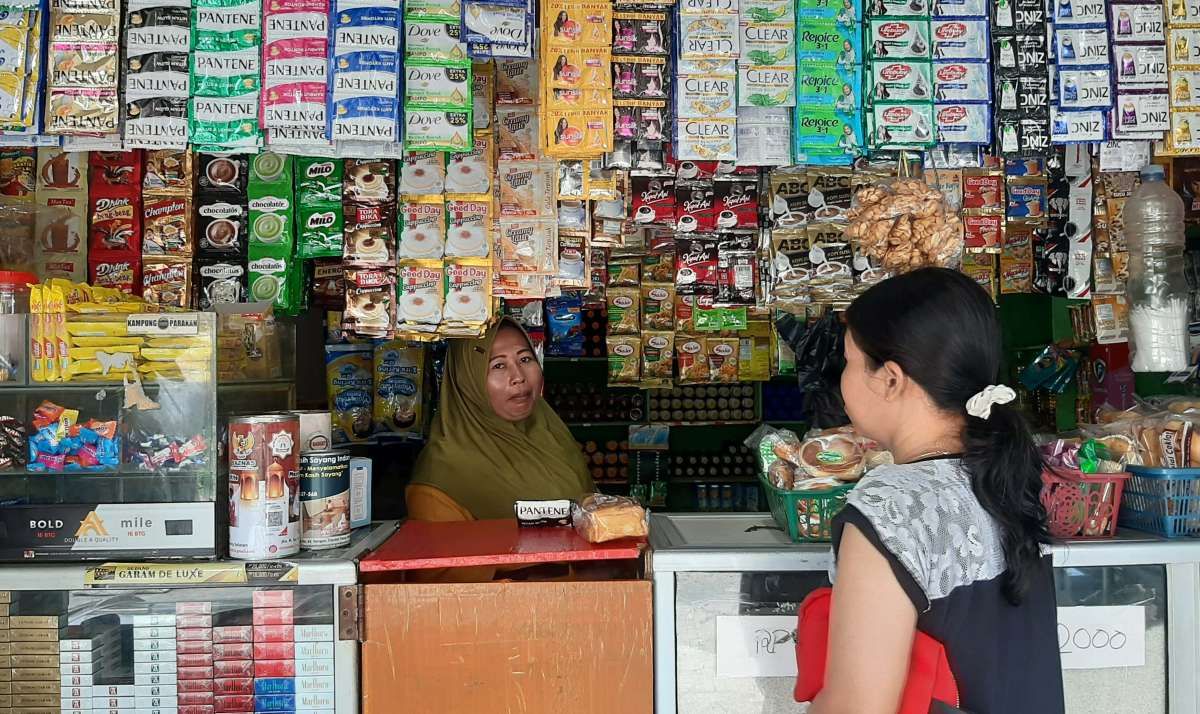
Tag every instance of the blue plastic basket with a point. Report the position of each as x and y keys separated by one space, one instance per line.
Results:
x=1162 y=501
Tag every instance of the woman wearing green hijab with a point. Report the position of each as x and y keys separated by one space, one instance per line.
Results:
x=494 y=440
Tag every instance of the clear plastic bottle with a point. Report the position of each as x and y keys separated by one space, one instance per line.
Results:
x=1157 y=288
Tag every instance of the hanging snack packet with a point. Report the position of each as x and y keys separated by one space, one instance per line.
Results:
x=427 y=83
x=483 y=89
x=399 y=394
x=318 y=181
x=420 y=298
x=319 y=231
x=437 y=129
x=624 y=359
x=526 y=190
x=517 y=137
x=722 y=356
x=624 y=311
x=692 y=358
x=422 y=228
x=468 y=291
x=516 y=82
x=423 y=173
x=658 y=359
x=435 y=40
x=658 y=307
x=468 y=228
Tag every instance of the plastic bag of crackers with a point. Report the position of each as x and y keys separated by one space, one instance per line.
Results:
x=905 y=224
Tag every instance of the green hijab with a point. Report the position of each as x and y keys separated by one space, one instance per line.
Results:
x=486 y=463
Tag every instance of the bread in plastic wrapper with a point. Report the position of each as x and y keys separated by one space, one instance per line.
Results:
x=600 y=518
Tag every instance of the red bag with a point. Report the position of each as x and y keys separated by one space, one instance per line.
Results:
x=929 y=675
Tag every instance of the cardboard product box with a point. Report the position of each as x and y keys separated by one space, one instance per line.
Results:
x=273 y=598
x=195 y=685
x=75 y=680
x=34 y=660
x=313 y=633
x=6 y=596
x=233 y=685
x=314 y=668
x=154 y=633
x=194 y=660
x=35 y=700
x=46 y=622
x=234 y=703
x=193 y=633
x=456 y=645
x=195 y=673
x=274 y=668
x=233 y=651
x=273 y=615
x=197 y=607
x=32 y=634
x=34 y=687
x=191 y=647
x=274 y=650
x=196 y=709
x=233 y=668
x=34 y=648
x=140 y=668
x=233 y=633
x=194 y=698
x=194 y=621
x=122 y=691
x=34 y=674
x=314 y=650
x=154 y=620
x=78 y=668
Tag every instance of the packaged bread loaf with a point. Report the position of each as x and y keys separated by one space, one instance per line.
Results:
x=602 y=518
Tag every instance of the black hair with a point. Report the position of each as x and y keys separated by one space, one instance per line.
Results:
x=941 y=328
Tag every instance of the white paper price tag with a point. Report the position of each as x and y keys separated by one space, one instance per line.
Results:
x=763 y=646
x=1102 y=637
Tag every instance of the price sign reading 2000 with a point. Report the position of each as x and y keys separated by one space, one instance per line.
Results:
x=1102 y=637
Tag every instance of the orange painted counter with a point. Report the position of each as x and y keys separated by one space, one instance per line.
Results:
x=524 y=646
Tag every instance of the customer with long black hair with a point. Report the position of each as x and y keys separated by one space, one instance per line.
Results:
x=948 y=541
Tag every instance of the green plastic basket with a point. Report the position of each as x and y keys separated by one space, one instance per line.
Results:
x=818 y=509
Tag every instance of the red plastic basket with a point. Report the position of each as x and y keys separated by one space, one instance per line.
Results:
x=1082 y=506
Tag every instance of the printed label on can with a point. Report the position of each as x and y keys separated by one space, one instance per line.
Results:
x=264 y=487
x=325 y=499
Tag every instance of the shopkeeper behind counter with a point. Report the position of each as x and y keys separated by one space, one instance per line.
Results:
x=494 y=440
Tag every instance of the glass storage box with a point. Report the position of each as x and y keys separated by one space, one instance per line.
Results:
x=713 y=573
x=108 y=443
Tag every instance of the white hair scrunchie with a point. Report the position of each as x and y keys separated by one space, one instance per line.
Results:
x=980 y=405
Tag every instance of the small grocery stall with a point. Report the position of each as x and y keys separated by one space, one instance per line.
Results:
x=552 y=643
x=215 y=635
x=727 y=586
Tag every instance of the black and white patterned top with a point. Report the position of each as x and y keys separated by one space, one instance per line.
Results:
x=945 y=551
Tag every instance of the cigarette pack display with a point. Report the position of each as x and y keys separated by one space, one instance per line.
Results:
x=29 y=647
x=32 y=635
x=233 y=685
x=156 y=710
x=34 y=674
x=194 y=633
x=69 y=680
x=194 y=660
x=35 y=700
x=235 y=633
x=234 y=703
x=306 y=685
x=314 y=633
x=273 y=615
x=314 y=667
x=154 y=702
x=34 y=687
x=274 y=650
x=193 y=621
x=153 y=656
x=310 y=701
x=233 y=650
x=194 y=647
x=23 y=660
x=114 y=690
x=274 y=668
x=166 y=678
x=274 y=633
x=75 y=692
x=314 y=650
x=155 y=667
x=195 y=673
x=113 y=703
x=154 y=633
x=163 y=620
x=195 y=685
x=272 y=598
x=233 y=668
x=52 y=622
x=199 y=607
x=78 y=645
x=275 y=703
x=155 y=690
x=69 y=657
x=149 y=645
x=196 y=709
x=274 y=685
x=193 y=698
x=6 y=597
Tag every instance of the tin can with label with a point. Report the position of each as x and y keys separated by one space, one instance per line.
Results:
x=264 y=487
x=325 y=499
x=316 y=430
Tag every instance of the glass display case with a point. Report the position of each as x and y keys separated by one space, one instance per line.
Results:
x=256 y=362
x=108 y=443
x=727 y=588
x=175 y=637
